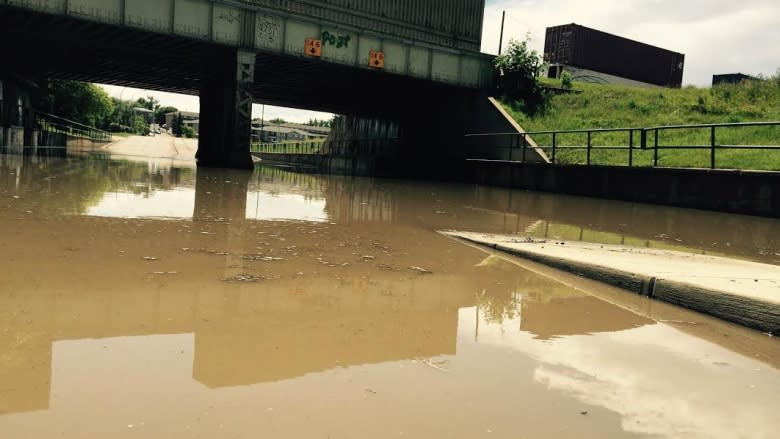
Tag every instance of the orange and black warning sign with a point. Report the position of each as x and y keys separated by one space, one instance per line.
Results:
x=376 y=59
x=313 y=47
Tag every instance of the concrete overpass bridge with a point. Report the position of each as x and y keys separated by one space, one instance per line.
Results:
x=362 y=58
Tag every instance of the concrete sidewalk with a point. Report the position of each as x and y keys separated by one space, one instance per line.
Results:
x=739 y=291
x=160 y=146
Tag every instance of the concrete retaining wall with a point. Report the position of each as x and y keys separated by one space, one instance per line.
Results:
x=357 y=166
x=82 y=144
x=744 y=192
x=14 y=140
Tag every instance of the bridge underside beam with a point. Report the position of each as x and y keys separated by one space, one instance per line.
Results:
x=94 y=52
x=433 y=114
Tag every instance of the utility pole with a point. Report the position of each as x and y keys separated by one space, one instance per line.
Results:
x=501 y=38
x=262 y=125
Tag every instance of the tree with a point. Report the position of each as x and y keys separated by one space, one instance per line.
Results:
x=139 y=125
x=278 y=121
x=566 y=80
x=160 y=112
x=178 y=125
x=81 y=102
x=150 y=103
x=518 y=72
x=121 y=118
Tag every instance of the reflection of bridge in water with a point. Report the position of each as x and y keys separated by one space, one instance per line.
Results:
x=244 y=334
x=348 y=200
x=281 y=328
x=278 y=331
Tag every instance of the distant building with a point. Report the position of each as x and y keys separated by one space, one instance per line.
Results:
x=287 y=132
x=594 y=56
x=278 y=134
x=732 y=78
x=189 y=118
x=308 y=128
x=148 y=115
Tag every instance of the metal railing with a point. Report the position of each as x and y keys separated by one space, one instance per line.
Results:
x=288 y=147
x=55 y=124
x=340 y=148
x=637 y=140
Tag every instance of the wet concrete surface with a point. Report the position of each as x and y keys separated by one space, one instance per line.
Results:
x=738 y=291
x=144 y=298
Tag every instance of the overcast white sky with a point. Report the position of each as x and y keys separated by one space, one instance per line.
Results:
x=716 y=36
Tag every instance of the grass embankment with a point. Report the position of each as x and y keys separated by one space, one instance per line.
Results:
x=610 y=106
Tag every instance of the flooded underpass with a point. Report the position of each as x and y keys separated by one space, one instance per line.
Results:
x=145 y=298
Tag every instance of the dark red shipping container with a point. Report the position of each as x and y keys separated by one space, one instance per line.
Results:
x=579 y=46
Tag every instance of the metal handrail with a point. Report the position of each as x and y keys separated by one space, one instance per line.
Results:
x=643 y=143
x=715 y=125
x=52 y=123
x=334 y=148
x=594 y=130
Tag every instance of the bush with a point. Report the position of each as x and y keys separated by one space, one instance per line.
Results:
x=518 y=72
x=566 y=80
x=188 y=132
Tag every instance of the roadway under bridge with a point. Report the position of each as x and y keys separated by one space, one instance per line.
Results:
x=369 y=61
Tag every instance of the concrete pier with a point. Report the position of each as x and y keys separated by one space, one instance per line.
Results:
x=226 y=113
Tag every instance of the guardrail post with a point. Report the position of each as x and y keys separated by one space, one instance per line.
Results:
x=554 y=141
x=589 y=147
x=511 y=146
x=655 y=156
x=631 y=148
x=524 y=147
x=712 y=148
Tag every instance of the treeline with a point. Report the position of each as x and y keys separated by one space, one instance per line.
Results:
x=89 y=104
x=320 y=123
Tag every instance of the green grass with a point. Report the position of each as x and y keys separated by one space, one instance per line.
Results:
x=609 y=106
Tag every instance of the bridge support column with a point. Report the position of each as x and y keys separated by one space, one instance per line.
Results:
x=226 y=113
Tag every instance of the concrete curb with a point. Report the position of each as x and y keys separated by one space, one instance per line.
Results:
x=746 y=311
x=635 y=283
x=752 y=313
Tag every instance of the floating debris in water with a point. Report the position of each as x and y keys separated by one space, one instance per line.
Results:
x=150 y=259
x=244 y=278
x=420 y=270
x=261 y=257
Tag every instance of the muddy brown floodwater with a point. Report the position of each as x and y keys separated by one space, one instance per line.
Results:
x=143 y=298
